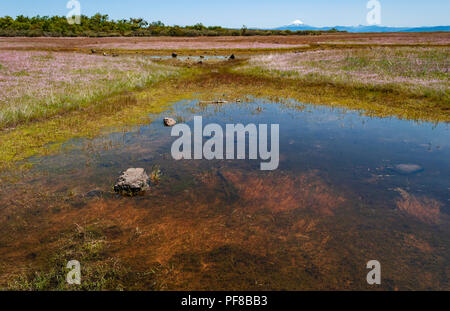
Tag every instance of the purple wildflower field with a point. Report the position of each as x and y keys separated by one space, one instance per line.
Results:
x=148 y=43
x=32 y=81
x=233 y=42
x=413 y=68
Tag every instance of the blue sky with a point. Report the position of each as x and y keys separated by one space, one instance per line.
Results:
x=253 y=13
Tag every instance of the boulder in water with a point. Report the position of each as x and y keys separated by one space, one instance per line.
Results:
x=169 y=122
x=408 y=169
x=132 y=181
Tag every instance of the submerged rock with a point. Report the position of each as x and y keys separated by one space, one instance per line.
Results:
x=132 y=181
x=408 y=169
x=169 y=122
x=220 y=101
x=94 y=194
x=99 y=194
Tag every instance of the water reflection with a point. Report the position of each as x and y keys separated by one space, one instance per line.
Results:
x=335 y=202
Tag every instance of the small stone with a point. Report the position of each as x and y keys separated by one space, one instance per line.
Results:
x=174 y=55
x=94 y=194
x=408 y=169
x=232 y=56
x=93 y=51
x=169 y=122
x=132 y=181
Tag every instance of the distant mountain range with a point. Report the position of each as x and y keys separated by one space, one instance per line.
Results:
x=298 y=25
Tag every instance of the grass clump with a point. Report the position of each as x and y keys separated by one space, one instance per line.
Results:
x=155 y=175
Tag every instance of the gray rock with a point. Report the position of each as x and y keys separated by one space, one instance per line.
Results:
x=169 y=122
x=132 y=181
x=220 y=101
x=408 y=169
x=94 y=194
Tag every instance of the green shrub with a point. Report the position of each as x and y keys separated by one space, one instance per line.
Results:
x=100 y=26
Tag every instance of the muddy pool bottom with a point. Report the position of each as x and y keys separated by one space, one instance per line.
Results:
x=337 y=200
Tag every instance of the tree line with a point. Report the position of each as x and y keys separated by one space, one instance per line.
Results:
x=100 y=25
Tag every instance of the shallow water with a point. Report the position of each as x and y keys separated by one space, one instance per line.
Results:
x=190 y=57
x=335 y=202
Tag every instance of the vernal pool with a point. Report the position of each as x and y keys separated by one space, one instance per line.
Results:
x=338 y=200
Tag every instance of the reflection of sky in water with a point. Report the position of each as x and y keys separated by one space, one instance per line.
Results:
x=330 y=207
x=351 y=149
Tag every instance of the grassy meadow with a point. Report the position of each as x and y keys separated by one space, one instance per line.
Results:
x=47 y=97
x=421 y=71
x=38 y=85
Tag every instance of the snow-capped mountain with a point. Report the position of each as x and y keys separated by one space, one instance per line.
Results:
x=297 y=22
